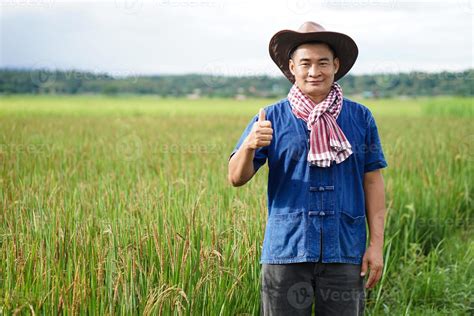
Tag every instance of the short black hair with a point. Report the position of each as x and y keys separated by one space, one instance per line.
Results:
x=292 y=51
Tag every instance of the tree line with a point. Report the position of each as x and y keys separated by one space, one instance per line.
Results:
x=42 y=81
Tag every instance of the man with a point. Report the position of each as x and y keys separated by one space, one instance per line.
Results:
x=324 y=158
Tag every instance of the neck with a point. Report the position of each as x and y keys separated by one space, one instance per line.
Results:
x=318 y=98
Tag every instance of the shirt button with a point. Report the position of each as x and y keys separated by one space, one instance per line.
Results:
x=322 y=213
x=321 y=188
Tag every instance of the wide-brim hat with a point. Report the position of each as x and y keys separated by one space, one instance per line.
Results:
x=285 y=41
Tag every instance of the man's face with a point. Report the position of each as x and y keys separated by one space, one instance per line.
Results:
x=314 y=66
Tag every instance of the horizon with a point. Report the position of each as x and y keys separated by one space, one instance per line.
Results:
x=273 y=76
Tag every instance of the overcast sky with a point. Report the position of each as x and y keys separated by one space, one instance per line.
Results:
x=130 y=37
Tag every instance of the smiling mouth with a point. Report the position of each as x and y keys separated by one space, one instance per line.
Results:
x=314 y=82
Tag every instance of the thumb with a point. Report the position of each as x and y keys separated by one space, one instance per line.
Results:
x=261 y=115
x=365 y=264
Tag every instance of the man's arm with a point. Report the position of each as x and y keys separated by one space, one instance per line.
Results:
x=375 y=206
x=241 y=167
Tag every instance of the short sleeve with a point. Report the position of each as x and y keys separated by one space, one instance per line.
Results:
x=260 y=154
x=374 y=157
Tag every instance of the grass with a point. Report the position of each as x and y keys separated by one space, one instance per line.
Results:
x=121 y=206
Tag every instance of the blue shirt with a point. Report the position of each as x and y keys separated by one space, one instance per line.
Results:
x=316 y=214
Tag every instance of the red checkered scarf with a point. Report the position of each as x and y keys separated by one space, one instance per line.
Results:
x=327 y=140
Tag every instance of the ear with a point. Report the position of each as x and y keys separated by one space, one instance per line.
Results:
x=336 y=65
x=292 y=66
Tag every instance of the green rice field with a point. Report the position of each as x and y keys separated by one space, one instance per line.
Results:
x=121 y=206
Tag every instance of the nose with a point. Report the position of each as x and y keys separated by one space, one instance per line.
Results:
x=314 y=71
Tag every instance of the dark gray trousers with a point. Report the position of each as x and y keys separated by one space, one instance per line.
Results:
x=292 y=289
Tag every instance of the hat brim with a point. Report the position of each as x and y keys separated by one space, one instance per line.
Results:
x=283 y=42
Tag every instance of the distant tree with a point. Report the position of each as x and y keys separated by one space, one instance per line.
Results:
x=24 y=81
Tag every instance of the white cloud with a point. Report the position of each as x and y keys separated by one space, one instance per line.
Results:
x=195 y=36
